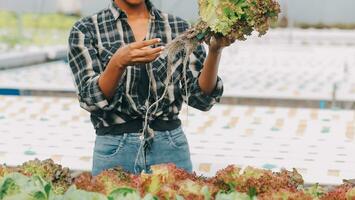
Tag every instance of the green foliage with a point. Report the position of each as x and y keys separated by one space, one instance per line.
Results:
x=8 y=19
x=315 y=191
x=34 y=180
x=351 y=194
x=223 y=14
x=233 y=196
x=124 y=194
x=16 y=186
x=238 y=18
x=36 y=21
x=51 y=172
x=34 y=29
x=48 y=21
x=75 y=194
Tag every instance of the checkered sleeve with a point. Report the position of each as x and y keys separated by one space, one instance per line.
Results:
x=86 y=68
x=198 y=99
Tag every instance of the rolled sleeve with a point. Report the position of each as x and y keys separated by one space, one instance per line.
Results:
x=86 y=68
x=212 y=98
x=198 y=98
x=92 y=98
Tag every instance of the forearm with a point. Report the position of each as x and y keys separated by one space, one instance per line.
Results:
x=208 y=76
x=110 y=78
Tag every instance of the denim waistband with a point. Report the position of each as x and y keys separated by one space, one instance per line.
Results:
x=136 y=126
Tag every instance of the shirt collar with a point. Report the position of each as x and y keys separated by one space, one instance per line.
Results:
x=119 y=13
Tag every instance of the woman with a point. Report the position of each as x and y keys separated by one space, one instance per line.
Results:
x=115 y=56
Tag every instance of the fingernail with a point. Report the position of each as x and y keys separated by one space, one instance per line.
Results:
x=159 y=40
x=162 y=47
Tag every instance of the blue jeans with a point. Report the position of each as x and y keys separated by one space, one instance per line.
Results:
x=127 y=152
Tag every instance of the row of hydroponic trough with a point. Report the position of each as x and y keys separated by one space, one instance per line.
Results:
x=42 y=180
x=302 y=76
x=32 y=56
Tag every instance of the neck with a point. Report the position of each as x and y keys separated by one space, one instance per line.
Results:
x=133 y=10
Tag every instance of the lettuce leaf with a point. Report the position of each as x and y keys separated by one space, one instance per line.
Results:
x=75 y=194
x=16 y=186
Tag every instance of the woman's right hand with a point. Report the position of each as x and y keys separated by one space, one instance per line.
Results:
x=136 y=53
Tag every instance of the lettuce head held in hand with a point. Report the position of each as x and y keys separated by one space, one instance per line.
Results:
x=237 y=18
x=234 y=19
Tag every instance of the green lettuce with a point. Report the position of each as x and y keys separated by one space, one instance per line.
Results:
x=16 y=186
x=238 y=18
x=75 y=194
x=233 y=196
x=124 y=194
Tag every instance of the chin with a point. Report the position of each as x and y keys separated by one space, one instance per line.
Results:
x=134 y=2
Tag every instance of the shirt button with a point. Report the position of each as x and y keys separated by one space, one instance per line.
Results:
x=109 y=57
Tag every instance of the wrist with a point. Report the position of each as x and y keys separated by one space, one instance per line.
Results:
x=117 y=66
x=120 y=67
x=216 y=50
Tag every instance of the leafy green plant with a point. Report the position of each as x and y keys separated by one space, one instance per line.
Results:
x=237 y=18
x=60 y=177
x=233 y=196
x=34 y=181
x=75 y=194
x=16 y=186
x=234 y=19
x=124 y=194
x=26 y=29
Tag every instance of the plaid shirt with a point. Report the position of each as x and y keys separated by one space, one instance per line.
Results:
x=92 y=42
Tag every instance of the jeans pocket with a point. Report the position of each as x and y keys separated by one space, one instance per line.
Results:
x=109 y=146
x=177 y=138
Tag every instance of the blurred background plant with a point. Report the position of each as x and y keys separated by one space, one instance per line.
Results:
x=33 y=29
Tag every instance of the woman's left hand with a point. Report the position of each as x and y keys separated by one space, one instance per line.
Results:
x=218 y=43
